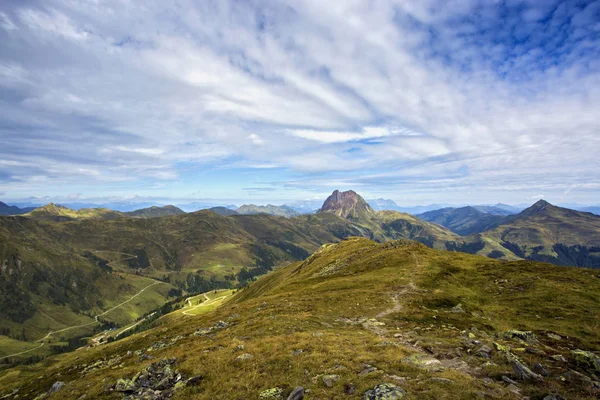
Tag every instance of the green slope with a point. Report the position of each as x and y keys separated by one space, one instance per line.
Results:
x=355 y=315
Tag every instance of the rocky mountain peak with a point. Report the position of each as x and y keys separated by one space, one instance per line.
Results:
x=347 y=204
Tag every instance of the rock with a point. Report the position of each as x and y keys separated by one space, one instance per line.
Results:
x=441 y=380
x=559 y=358
x=523 y=372
x=195 y=379
x=540 y=369
x=275 y=393
x=553 y=336
x=484 y=352
x=533 y=350
x=424 y=361
x=587 y=360
x=384 y=391
x=297 y=394
x=554 y=396
x=240 y=347
x=457 y=308
x=508 y=380
x=56 y=387
x=125 y=385
x=513 y=389
x=525 y=336
x=158 y=381
x=349 y=389
x=329 y=380
x=367 y=370
x=243 y=357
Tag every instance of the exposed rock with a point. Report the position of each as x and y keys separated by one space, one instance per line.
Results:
x=367 y=370
x=540 y=369
x=534 y=350
x=297 y=394
x=211 y=329
x=384 y=391
x=553 y=336
x=523 y=372
x=155 y=382
x=424 y=361
x=508 y=380
x=125 y=385
x=513 y=389
x=243 y=357
x=346 y=205
x=275 y=393
x=484 y=352
x=56 y=387
x=457 y=308
x=587 y=360
x=441 y=380
x=554 y=396
x=349 y=389
x=559 y=358
x=525 y=336
x=329 y=380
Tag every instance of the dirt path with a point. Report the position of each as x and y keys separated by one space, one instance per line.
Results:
x=49 y=334
x=208 y=302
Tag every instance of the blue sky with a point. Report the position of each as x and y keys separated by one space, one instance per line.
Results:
x=417 y=101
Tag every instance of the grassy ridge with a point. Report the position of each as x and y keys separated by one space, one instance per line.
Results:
x=368 y=313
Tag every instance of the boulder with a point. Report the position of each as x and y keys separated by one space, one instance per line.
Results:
x=56 y=387
x=385 y=391
x=329 y=380
x=243 y=357
x=296 y=394
x=275 y=393
x=484 y=352
x=587 y=360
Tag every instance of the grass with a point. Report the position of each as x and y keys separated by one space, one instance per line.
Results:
x=324 y=307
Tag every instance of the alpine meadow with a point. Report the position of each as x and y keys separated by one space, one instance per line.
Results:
x=288 y=200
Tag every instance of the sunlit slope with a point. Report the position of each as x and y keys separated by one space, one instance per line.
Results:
x=358 y=314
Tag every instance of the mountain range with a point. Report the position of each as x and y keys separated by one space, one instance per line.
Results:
x=63 y=267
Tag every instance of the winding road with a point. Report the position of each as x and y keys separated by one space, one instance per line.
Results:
x=84 y=325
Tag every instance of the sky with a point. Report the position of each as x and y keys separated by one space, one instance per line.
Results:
x=420 y=102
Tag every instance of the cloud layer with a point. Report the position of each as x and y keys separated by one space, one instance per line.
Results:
x=461 y=101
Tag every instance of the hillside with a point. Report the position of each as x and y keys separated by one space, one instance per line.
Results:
x=201 y=251
x=156 y=212
x=281 y=211
x=548 y=233
x=223 y=211
x=464 y=220
x=356 y=318
x=56 y=212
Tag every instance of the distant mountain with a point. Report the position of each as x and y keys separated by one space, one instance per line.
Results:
x=5 y=209
x=593 y=209
x=197 y=206
x=382 y=204
x=464 y=220
x=281 y=211
x=305 y=206
x=509 y=208
x=155 y=212
x=545 y=232
x=223 y=211
x=348 y=205
x=493 y=210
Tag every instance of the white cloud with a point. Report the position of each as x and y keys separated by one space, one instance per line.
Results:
x=352 y=92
